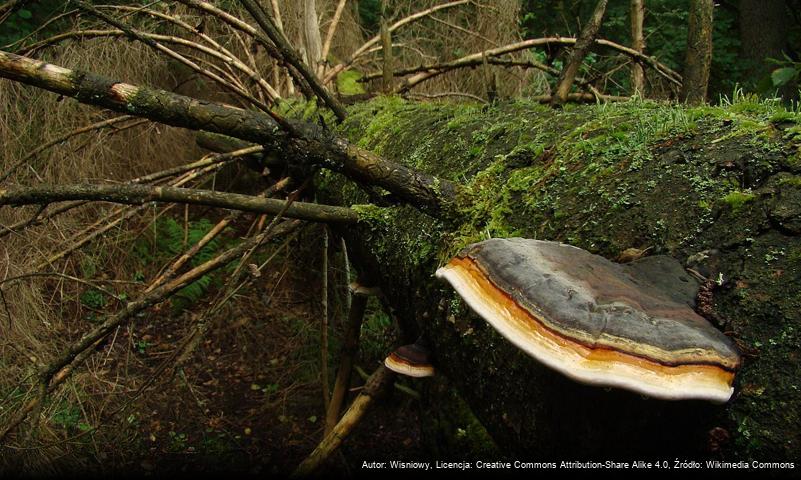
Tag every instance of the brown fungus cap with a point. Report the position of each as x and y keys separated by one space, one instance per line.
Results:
x=413 y=360
x=601 y=323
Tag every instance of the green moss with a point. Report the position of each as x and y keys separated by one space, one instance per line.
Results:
x=374 y=216
x=737 y=199
x=794 y=180
x=785 y=116
x=348 y=83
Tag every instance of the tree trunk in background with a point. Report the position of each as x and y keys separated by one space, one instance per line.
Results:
x=699 y=52
x=763 y=34
x=311 y=30
x=637 y=43
x=386 y=50
x=279 y=23
x=577 y=54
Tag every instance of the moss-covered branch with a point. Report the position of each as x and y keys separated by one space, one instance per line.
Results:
x=313 y=145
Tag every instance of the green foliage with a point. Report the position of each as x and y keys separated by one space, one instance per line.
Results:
x=348 y=83
x=665 y=29
x=376 y=329
x=168 y=242
x=142 y=346
x=93 y=298
x=178 y=441
x=69 y=417
x=25 y=20
x=782 y=76
x=370 y=15
x=787 y=72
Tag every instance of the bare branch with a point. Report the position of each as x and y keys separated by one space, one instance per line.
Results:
x=457 y=64
x=476 y=59
x=63 y=138
x=377 y=39
x=53 y=374
x=422 y=190
x=577 y=54
x=290 y=56
x=350 y=346
x=375 y=387
x=148 y=40
x=139 y=194
x=329 y=37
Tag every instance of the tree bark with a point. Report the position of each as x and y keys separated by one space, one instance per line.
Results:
x=311 y=30
x=764 y=29
x=577 y=54
x=698 y=60
x=637 y=43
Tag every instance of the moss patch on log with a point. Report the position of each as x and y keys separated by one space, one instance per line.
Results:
x=721 y=185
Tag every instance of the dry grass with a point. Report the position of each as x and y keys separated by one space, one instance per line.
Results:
x=40 y=314
x=452 y=33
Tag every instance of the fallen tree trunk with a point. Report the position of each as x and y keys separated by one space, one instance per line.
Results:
x=717 y=189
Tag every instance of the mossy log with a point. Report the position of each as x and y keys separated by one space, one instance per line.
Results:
x=719 y=189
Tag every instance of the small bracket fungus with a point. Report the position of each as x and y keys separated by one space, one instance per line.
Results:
x=629 y=326
x=357 y=288
x=413 y=360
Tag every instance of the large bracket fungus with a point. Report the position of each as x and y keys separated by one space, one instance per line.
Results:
x=629 y=326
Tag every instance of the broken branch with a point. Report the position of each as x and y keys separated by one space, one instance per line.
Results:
x=375 y=387
x=139 y=194
x=422 y=190
x=476 y=59
x=577 y=54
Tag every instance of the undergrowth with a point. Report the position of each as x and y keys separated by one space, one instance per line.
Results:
x=169 y=240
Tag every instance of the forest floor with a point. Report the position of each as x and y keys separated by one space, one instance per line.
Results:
x=251 y=401
x=248 y=400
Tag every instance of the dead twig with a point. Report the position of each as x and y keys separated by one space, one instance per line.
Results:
x=78 y=131
x=577 y=54
x=368 y=45
x=324 y=324
x=476 y=59
x=350 y=346
x=375 y=387
x=140 y=194
x=329 y=37
x=289 y=55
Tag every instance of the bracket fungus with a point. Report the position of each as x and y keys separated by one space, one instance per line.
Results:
x=601 y=323
x=413 y=360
